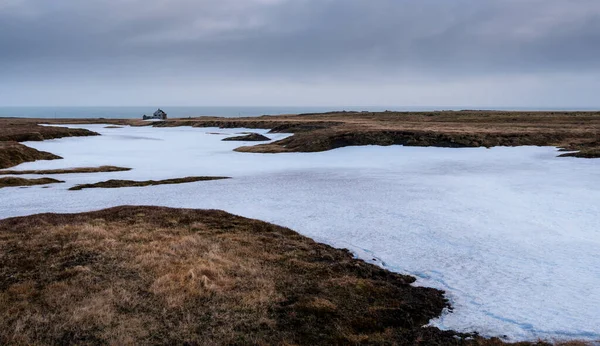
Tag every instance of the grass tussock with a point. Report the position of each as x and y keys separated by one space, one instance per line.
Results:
x=14 y=182
x=13 y=153
x=142 y=275
x=131 y=183
x=101 y=169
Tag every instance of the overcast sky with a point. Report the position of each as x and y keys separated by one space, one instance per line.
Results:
x=537 y=53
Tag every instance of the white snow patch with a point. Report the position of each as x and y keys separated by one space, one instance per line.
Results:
x=511 y=234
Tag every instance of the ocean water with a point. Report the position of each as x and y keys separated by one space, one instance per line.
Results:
x=511 y=234
x=173 y=112
x=225 y=111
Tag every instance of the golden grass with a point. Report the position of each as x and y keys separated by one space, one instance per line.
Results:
x=137 y=275
x=67 y=170
x=111 y=184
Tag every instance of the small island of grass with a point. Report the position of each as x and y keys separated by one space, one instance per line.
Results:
x=15 y=182
x=111 y=184
x=101 y=169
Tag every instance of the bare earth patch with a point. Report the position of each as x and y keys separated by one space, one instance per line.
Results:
x=132 y=183
x=13 y=182
x=101 y=169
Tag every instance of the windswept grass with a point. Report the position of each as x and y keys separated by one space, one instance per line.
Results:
x=132 y=183
x=150 y=275
x=100 y=169
x=13 y=182
x=147 y=275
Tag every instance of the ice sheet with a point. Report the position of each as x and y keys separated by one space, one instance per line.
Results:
x=512 y=234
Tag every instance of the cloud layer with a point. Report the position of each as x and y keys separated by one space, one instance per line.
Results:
x=393 y=52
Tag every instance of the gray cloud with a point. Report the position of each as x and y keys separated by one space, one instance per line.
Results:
x=305 y=43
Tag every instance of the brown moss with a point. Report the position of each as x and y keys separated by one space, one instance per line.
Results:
x=251 y=137
x=100 y=169
x=13 y=153
x=12 y=182
x=166 y=276
x=132 y=183
x=14 y=130
x=149 y=275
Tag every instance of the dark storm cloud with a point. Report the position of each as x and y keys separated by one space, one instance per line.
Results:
x=299 y=41
x=304 y=36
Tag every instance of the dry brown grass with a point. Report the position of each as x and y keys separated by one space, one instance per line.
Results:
x=13 y=153
x=149 y=275
x=577 y=131
x=21 y=130
x=13 y=182
x=131 y=183
x=142 y=275
x=14 y=130
x=101 y=169
x=320 y=132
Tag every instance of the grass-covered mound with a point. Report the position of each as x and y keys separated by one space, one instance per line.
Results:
x=13 y=153
x=113 y=184
x=149 y=275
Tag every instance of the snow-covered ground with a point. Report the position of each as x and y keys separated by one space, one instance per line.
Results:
x=512 y=234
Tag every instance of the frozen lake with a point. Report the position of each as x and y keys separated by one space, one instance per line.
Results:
x=511 y=234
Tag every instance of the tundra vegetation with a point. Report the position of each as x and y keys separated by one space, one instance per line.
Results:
x=111 y=184
x=151 y=275
x=14 y=182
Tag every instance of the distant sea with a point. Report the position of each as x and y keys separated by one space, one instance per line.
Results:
x=184 y=112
